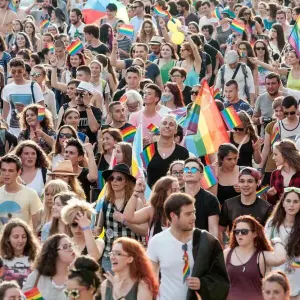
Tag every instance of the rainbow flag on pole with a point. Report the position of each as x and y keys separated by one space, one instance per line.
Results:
x=44 y=24
x=33 y=294
x=128 y=134
x=231 y=117
x=209 y=178
x=75 y=47
x=127 y=30
x=275 y=136
x=237 y=26
x=148 y=154
x=158 y=11
x=12 y=6
x=262 y=190
x=294 y=38
x=217 y=13
x=153 y=129
x=41 y=114
x=50 y=46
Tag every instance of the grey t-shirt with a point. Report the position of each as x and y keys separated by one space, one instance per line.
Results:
x=263 y=105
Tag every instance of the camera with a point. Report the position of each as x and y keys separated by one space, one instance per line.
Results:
x=266 y=120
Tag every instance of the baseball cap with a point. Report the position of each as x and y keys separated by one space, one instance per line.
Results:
x=250 y=171
x=231 y=57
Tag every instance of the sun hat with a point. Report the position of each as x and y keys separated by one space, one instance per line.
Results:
x=121 y=168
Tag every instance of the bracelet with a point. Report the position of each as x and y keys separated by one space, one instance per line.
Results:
x=86 y=228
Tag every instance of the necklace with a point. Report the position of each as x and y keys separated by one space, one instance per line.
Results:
x=243 y=264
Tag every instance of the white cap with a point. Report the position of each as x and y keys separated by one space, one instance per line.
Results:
x=231 y=57
x=86 y=87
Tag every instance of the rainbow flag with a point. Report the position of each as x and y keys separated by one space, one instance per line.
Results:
x=50 y=47
x=231 y=117
x=294 y=38
x=127 y=30
x=33 y=294
x=75 y=47
x=148 y=154
x=275 y=136
x=153 y=129
x=158 y=11
x=12 y=6
x=123 y=98
x=211 y=130
x=217 y=13
x=209 y=178
x=128 y=134
x=44 y=24
x=101 y=181
x=215 y=93
x=237 y=26
x=41 y=114
x=296 y=264
x=262 y=190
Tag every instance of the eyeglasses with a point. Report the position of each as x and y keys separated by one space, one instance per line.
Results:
x=79 y=94
x=118 y=178
x=74 y=225
x=193 y=170
x=65 y=135
x=292 y=189
x=291 y=113
x=116 y=253
x=259 y=48
x=196 y=93
x=74 y=293
x=66 y=247
x=242 y=231
x=35 y=74
x=13 y=72
x=177 y=173
x=238 y=129
x=183 y=49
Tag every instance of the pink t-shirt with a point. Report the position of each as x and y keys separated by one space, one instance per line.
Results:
x=135 y=119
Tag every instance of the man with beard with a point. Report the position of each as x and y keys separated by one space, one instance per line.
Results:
x=7 y=16
x=248 y=203
x=75 y=31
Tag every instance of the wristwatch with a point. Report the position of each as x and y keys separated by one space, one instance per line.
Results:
x=88 y=106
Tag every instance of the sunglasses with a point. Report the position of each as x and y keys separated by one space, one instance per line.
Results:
x=112 y=178
x=259 y=48
x=291 y=113
x=74 y=225
x=194 y=93
x=66 y=247
x=292 y=189
x=193 y=170
x=242 y=231
x=65 y=135
x=238 y=129
x=35 y=74
x=79 y=94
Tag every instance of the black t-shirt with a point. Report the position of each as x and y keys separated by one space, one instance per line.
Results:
x=233 y=208
x=212 y=53
x=158 y=167
x=186 y=93
x=84 y=125
x=214 y=44
x=102 y=49
x=206 y=205
x=121 y=128
x=119 y=93
x=6 y=136
x=85 y=183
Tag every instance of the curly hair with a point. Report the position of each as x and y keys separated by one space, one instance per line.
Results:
x=261 y=242
x=289 y=152
x=81 y=57
x=142 y=34
x=74 y=206
x=47 y=122
x=140 y=268
x=49 y=254
x=158 y=197
x=277 y=219
x=42 y=160
x=31 y=248
x=248 y=125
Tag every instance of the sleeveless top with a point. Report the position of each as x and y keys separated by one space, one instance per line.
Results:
x=226 y=192
x=246 y=152
x=192 y=77
x=37 y=183
x=293 y=83
x=244 y=285
x=165 y=69
x=290 y=134
x=132 y=294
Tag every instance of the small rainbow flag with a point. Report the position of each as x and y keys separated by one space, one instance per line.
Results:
x=158 y=11
x=209 y=178
x=33 y=294
x=231 y=117
x=44 y=24
x=12 y=6
x=153 y=129
x=275 y=136
x=128 y=134
x=237 y=26
x=262 y=190
x=75 y=47
x=127 y=30
x=50 y=46
x=296 y=264
x=41 y=114
x=217 y=13
x=215 y=93
x=148 y=154
x=186 y=271
x=123 y=98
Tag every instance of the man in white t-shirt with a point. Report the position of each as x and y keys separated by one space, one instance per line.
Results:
x=185 y=275
x=18 y=94
x=76 y=28
x=16 y=200
x=207 y=18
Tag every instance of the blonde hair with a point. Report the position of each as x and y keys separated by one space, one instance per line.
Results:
x=74 y=206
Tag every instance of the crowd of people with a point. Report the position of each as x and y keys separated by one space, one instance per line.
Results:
x=82 y=217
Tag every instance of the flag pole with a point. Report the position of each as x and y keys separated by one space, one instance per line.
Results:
x=287 y=41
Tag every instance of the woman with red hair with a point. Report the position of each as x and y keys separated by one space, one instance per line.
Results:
x=172 y=96
x=248 y=257
x=73 y=62
x=134 y=277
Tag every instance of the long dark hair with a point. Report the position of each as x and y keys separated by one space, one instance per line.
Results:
x=277 y=219
x=250 y=53
x=250 y=22
x=280 y=36
x=28 y=44
x=105 y=36
x=177 y=95
x=267 y=59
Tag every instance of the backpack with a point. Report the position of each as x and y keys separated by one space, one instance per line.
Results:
x=245 y=73
x=2 y=141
